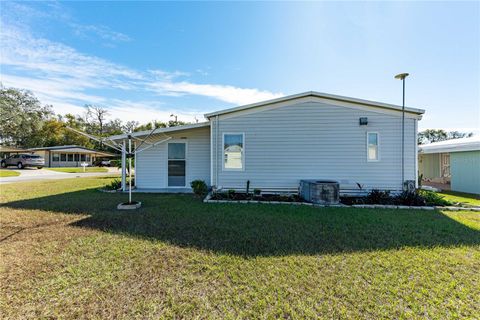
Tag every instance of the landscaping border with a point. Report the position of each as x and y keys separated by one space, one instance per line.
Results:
x=208 y=199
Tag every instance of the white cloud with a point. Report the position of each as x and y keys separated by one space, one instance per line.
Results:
x=147 y=111
x=60 y=75
x=225 y=93
x=101 y=31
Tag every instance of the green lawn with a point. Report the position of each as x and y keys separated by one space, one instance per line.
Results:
x=8 y=173
x=67 y=253
x=79 y=170
x=460 y=197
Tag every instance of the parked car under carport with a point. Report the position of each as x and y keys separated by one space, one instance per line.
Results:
x=23 y=161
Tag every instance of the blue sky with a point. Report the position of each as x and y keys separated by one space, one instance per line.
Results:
x=146 y=60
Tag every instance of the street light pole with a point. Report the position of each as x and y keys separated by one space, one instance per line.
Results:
x=402 y=77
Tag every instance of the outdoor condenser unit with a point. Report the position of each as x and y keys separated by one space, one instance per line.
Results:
x=320 y=191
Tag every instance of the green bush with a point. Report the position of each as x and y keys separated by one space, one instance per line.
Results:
x=231 y=193
x=199 y=187
x=409 y=198
x=114 y=185
x=379 y=197
x=433 y=198
x=257 y=192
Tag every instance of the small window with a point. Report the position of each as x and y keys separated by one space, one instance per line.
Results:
x=77 y=157
x=63 y=157
x=88 y=157
x=372 y=146
x=70 y=157
x=233 y=151
x=55 y=157
x=82 y=157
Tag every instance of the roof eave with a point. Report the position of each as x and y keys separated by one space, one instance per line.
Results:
x=319 y=95
x=162 y=130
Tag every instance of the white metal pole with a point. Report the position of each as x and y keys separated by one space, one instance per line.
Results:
x=135 y=159
x=124 y=167
x=403 y=136
x=130 y=169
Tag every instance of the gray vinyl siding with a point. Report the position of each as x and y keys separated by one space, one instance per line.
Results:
x=316 y=141
x=152 y=168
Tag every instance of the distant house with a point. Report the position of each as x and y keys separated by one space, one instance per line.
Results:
x=276 y=143
x=454 y=163
x=6 y=151
x=69 y=156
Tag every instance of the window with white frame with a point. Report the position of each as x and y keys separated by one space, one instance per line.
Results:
x=70 y=157
x=372 y=146
x=63 y=157
x=233 y=151
x=55 y=157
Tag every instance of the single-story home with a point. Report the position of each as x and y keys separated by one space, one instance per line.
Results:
x=6 y=151
x=69 y=156
x=452 y=163
x=276 y=143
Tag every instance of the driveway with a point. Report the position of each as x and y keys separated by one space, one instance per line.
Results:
x=30 y=174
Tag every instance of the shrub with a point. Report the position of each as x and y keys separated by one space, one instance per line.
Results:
x=433 y=198
x=231 y=193
x=199 y=187
x=114 y=185
x=257 y=192
x=409 y=198
x=379 y=197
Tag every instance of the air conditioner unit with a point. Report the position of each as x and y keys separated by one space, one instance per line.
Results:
x=409 y=185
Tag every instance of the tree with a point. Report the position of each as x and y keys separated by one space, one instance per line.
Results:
x=175 y=123
x=130 y=126
x=113 y=127
x=22 y=117
x=458 y=135
x=95 y=118
x=434 y=135
x=149 y=126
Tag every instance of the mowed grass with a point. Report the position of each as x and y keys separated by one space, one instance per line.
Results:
x=65 y=252
x=461 y=197
x=79 y=170
x=8 y=173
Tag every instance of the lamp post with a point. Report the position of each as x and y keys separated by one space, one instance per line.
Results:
x=402 y=77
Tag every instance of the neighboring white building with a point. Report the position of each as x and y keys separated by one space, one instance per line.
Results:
x=69 y=156
x=276 y=143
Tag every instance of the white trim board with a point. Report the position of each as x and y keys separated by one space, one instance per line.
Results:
x=309 y=99
x=320 y=97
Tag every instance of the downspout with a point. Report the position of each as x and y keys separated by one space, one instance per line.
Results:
x=216 y=151
x=415 y=143
x=211 y=153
